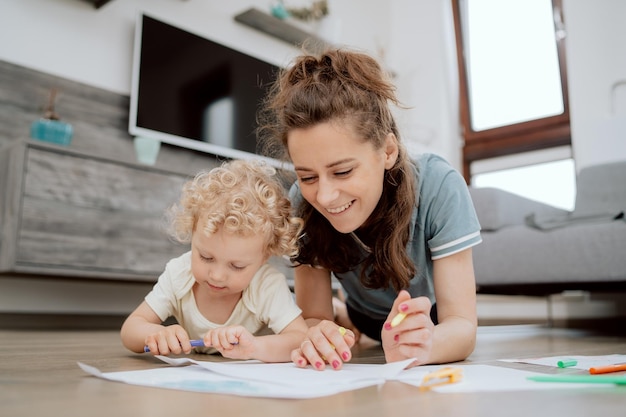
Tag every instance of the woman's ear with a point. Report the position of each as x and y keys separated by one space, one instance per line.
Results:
x=391 y=150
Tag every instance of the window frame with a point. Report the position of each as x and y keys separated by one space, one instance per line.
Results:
x=521 y=137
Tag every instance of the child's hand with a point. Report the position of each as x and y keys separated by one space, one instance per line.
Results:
x=171 y=339
x=411 y=337
x=233 y=342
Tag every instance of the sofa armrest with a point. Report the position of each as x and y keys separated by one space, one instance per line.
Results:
x=497 y=208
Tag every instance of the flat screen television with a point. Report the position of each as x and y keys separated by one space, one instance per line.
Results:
x=190 y=91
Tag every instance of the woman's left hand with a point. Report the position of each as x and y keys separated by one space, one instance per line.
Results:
x=324 y=343
x=413 y=336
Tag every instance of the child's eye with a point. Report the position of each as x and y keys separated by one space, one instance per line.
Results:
x=205 y=258
x=238 y=267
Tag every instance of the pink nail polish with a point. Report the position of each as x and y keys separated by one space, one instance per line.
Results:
x=404 y=307
x=387 y=326
x=345 y=356
x=336 y=364
x=319 y=365
x=396 y=337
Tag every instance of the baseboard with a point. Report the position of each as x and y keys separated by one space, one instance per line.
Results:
x=22 y=321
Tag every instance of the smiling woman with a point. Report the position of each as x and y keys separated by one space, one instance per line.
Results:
x=402 y=230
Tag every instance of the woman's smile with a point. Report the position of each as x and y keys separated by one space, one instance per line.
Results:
x=340 y=209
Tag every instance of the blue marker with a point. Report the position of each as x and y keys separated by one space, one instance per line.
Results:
x=194 y=343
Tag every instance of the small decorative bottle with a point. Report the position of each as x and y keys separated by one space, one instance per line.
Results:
x=49 y=128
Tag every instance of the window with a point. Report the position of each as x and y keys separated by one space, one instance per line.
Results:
x=512 y=77
x=556 y=179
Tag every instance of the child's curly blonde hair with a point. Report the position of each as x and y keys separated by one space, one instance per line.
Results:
x=244 y=198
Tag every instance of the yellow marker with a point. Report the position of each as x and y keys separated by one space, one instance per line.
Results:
x=342 y=331
x=397 y=319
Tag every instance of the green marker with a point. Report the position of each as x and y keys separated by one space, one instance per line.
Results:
x=566 y=363
x=584 y=379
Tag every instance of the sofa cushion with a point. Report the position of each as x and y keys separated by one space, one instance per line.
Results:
x=583 y=253
x=600 y=198
x=601 y=189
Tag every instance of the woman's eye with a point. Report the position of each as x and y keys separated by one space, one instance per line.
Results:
x=307 y=179
x=343 y=173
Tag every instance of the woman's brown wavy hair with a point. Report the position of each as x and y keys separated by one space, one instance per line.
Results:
x=346 y=87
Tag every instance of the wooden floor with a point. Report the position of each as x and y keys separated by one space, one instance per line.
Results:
x=39 y=377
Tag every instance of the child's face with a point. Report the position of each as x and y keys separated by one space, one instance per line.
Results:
x=223 y=264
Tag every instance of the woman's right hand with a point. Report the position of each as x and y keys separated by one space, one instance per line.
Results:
x=169 y=340
x=326 y=342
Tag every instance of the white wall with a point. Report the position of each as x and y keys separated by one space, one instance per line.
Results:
x=71 y=39
x=596 y=61
x=422 y=52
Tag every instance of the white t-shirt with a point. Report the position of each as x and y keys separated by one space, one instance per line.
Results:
x=267 y=302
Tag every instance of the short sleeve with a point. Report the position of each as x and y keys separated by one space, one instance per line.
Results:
x=450 y=221
x=270 y=298
x=175 y=280
x=161 y=299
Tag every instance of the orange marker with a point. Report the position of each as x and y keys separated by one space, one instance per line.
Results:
x=608 y=369
x=443 y=376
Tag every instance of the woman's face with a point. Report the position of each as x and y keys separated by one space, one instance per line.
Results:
x=340 y=174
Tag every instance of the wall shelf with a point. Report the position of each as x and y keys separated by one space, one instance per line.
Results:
x=98 y=3
x=280 y=29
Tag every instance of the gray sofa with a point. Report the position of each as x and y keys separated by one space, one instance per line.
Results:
x=531 y=248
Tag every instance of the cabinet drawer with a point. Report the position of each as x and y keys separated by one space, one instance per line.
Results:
x=89 y=217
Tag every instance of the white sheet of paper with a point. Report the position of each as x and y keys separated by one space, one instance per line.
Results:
x=480 y=378
x=290 y=375
x=196 y=378
x=285 y=380
x=584 y=362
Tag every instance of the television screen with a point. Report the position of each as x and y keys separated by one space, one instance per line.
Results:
x=192 y=92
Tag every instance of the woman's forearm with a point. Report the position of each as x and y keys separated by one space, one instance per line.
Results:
x=453 y=340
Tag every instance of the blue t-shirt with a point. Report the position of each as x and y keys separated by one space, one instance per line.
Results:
x=443 y=223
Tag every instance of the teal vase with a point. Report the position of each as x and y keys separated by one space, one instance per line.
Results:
x=54 y=131
x=49 y=128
